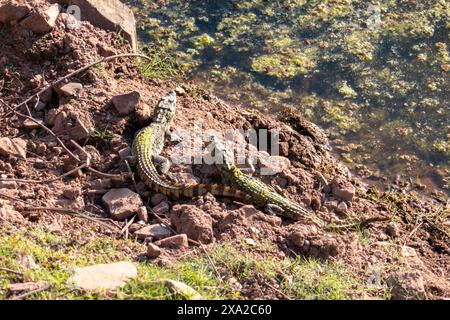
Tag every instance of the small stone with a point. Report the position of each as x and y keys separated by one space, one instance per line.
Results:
x=126 y=103
x=153 y=251
x=321 y=179
x=176 y=242
x=101 y=184
x=342 y=189
x=254 y=231
x=8 y=185
x=13 y=11
x=161 y=208
x=142 y=214
x=182 y=289
x=406 y=285
x=124 y=153
x=274 y=164
x=392 y=230
x=284 y=149
x=15 y=147
x=180 y=91
x=30 y=124
x=16 y=288
x=70 y=89
x=72 y=193
x=342 y=208
x=42 y=21
x=192 y=221
x=104 y=276
x=157 y=198
x=316 y=203
x=250 y=242
x=122 y=203
x=155 y=232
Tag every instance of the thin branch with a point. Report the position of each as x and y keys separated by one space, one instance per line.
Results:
x=48 y=180
x=30 y=293
x=11 y=271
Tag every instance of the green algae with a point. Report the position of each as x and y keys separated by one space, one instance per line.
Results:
x=361 y=69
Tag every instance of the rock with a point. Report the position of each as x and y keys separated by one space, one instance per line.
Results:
x=122 y=203
x=342 y=189
x=30 y=124
x=274 y=164
x=124 y=153
x=13 y=11
x=69 y=89
x=142 y=214
x=342 y=208
x=72 y=193
x=16 y=288
x=153 y=251
x=250 y=242
x=42 y=21
x=104 y=276
x=15 y=147
x=108 y=15
x=176 y=242
x=284 y=149
x=8 y=185
x=71 y=124
x=182 y=289
x=157 y=198
x=8 y=215
x=193 y=222
x=392 y=230
x=406 y=285
x=323 y=182
x=155 y=232
x=126 y=103
x=161 y=208
x=101 y=184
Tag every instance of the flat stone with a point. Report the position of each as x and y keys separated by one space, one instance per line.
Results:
x=193 y=222
x=104 y=276
x=69 y=89
x=122 y=203
x=406 y=285
x=13 y=11
x=142 y=214
x=15 y=147
x=30 y=124
x=124 y=153
x=8 y=185
x=16 y=288
x=182 y=289
x=126 y=103
x=155 y=232
x=153 y=251
x=108 y=15
x=42 y=21
x=273 y=164
x=157 y=198
x=161 y=208
x=176 y=242
x=342 y=189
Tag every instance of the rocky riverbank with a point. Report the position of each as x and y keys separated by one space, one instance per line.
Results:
x=63 y=170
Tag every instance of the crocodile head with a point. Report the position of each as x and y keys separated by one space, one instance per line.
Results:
x=166 y=108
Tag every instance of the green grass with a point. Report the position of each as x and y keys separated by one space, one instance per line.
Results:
x=57 y=257
x=163 y=65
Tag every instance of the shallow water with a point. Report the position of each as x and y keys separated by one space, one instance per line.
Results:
x=374 y=76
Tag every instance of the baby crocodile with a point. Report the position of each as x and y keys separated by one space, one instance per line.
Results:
x=262 y=195
x=151 y=166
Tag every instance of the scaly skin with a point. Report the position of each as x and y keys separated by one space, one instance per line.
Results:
x=149 y=143
x=262 y=195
